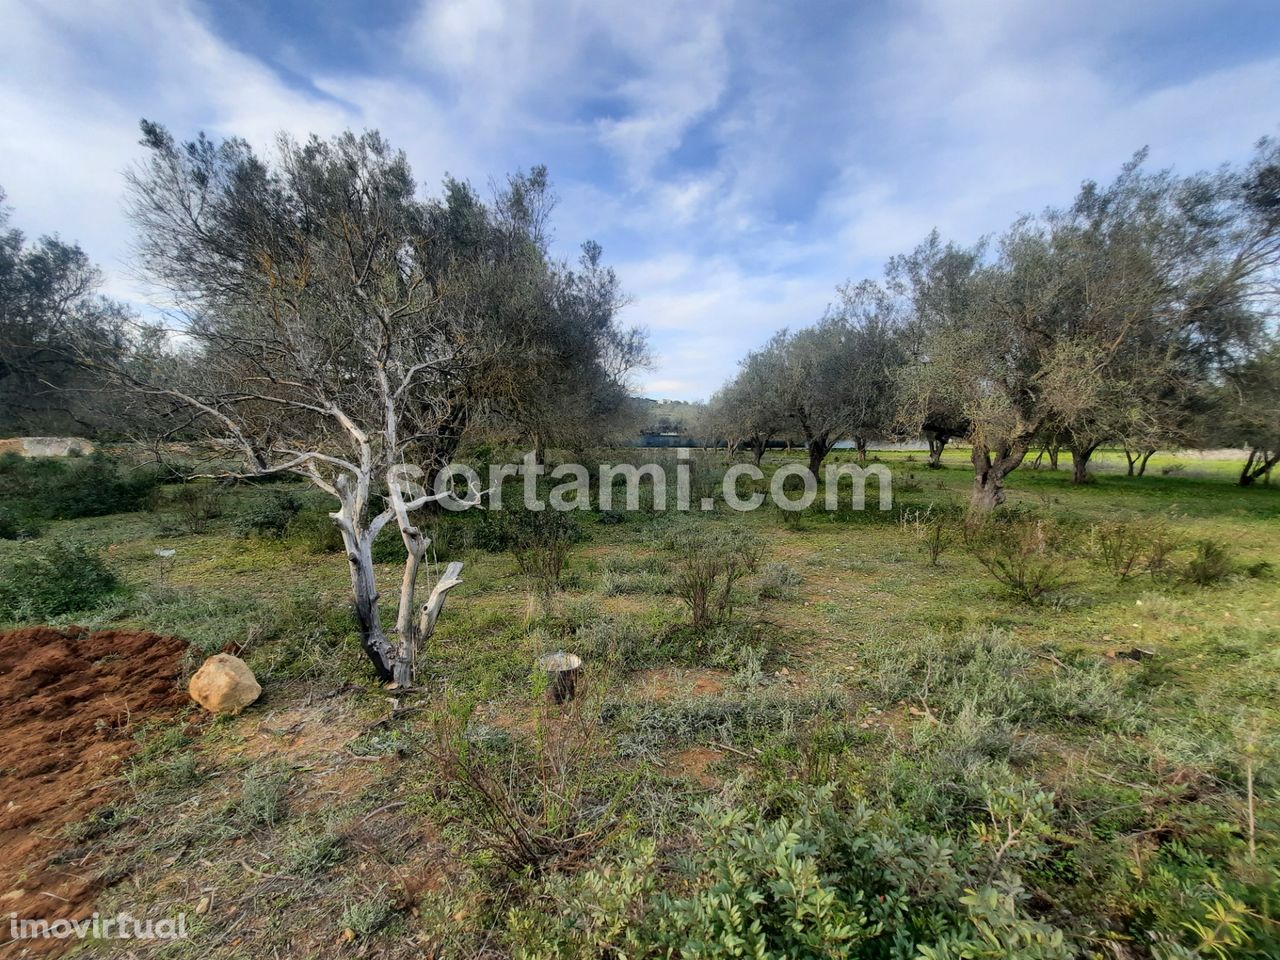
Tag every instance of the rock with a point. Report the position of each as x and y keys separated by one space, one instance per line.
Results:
x=224 y=684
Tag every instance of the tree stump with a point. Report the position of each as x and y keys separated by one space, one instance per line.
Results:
x=562 y=671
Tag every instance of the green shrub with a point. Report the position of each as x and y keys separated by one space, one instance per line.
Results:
x=1026 y=556
x=315 y=531
x=268 y=516
x=196 y=504
x=934 y=529
x=538 y=540
x=64 y=489
x=709 y=563
x=625 y=641
x=15 y=525
x=778 y=581
x=993 y=671
x=1209 y=565
x=819 y=877
x=53 y=581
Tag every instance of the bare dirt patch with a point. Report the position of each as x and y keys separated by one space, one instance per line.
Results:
x=695 y=763
x=70 y=701
x=667 y=683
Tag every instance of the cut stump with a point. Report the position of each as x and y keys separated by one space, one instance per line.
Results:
x=562 y=671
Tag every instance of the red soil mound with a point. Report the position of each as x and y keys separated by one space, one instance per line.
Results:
x=69 y=704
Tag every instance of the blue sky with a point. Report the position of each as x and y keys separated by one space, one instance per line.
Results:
x=737 y=160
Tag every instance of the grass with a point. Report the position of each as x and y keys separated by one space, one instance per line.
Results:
x=315 y=827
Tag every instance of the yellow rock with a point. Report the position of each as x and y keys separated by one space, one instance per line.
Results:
x=224 y=684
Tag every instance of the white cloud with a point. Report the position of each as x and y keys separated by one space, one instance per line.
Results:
x=737 y=159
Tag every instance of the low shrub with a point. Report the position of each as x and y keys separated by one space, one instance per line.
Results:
x=634 y=575
x=196 y=505
x=16 y=525
x=1025 y=556
x=627 y=642
x=268 y=516
x=65 y=489
x=819 y=876
x=778 y=581
x=528 y=805
x=997 y=674
x=709 y=563
x=539 y=541
x=55 y=580
x=934 y=529
x=315 y=531
x=1210 y=564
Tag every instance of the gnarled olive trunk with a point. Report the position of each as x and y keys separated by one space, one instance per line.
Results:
x=1258 y=465
x=819 y=447
x=936 y=445
x=989 y=471
x=1080 y=456
x=393 y=660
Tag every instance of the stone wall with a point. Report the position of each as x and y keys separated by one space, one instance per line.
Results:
x=46 y=446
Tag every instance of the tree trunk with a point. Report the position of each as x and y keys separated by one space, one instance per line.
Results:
x=757 y=449
x=1142 y=467
x=1132 y=459
x=861 y=444
x=1080 y=462
x=936 y=445
x=989 y=473
x=819 y=447
x=364 y=594
x=1258 y=465
x=393 y=662
x=1053 y=455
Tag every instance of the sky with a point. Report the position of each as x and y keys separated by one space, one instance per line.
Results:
x=737 y=160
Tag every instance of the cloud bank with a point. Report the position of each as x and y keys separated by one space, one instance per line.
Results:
x=736 y=159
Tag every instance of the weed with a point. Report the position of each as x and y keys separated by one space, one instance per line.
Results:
x=196 y=504
x=779 y=582
x=708 y=565
x=1209 y=565
x=1025 y=556
x=54 y=580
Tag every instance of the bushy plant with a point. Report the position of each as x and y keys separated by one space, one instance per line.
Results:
x=1210 y=564
x=196 y=504
x=53 y=581
x=629 y=575
x=817 y=877
x=16 y=525
x=539 y=541
x=528 y=804
x=934 y=529
x=778 y=581
x=316 y=532
x=709 y=563
x=268 y=516
x=64 y=489
x=1026 y=556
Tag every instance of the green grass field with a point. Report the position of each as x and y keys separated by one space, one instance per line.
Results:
x=1084 y=763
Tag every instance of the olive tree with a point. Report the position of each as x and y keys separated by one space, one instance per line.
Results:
x=51 y=311
x=1249 y=412
x=1075 y=324
x=339 y=328
x=748 y=410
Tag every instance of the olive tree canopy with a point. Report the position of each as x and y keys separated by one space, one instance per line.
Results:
x=347 y=331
